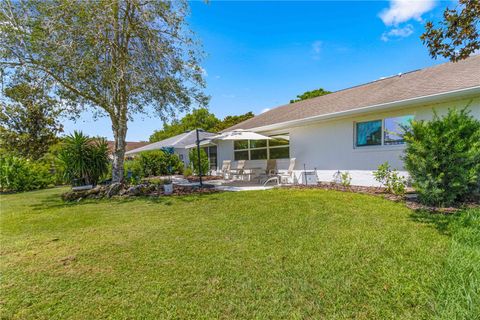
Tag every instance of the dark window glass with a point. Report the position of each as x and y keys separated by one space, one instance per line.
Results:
x=258 y=143
x=241 y=155
x=240 y=144
x=280 y=153
x=395 y=128
x=258 y=154
x=369 y=133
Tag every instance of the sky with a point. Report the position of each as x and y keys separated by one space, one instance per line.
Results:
x=259 y=55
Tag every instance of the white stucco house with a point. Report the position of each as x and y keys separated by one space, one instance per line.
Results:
x=355 y=129
x=179 y=144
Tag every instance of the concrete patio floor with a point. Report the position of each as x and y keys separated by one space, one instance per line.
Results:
x=225 y=185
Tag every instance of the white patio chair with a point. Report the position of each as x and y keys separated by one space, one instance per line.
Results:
x=238 y=171
x=270 y=171
x=288 y=176
x=226 y=169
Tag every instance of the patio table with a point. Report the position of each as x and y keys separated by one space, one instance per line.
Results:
x=255 y=171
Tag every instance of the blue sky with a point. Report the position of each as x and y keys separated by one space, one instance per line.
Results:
x=262 y=54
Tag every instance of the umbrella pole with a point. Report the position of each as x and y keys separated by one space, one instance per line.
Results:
x=199 y=160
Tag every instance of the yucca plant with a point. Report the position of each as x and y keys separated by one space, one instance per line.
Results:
x=85 y=159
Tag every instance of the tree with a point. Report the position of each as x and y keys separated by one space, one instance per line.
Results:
x=230 y=121
x=118 y=57
x=311 y=94
x=457 y=35
x=29 y=121
x=199 y=118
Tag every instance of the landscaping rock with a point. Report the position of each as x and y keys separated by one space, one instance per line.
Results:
x=114 y=189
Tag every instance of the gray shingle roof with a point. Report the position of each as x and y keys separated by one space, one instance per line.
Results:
x=179 y=141
x=429 y=81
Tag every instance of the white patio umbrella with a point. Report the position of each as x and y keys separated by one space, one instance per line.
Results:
x=231 y=136
x=240 y=135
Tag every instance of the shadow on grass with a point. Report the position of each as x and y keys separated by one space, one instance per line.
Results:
x=55 y=201
x=439 y=221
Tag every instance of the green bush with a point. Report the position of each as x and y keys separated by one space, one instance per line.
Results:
x=193 y=156
x=187 y=172
x=390 y=179
x=85 y=160
x=157 y=163
x=443 y=157
x=346 y=179
x=19 y=174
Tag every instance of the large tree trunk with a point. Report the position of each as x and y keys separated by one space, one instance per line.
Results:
x=119 y=133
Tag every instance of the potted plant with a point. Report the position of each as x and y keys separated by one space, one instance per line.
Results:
x=167 y=186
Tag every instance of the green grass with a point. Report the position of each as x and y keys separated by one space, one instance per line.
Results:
x=272 y=254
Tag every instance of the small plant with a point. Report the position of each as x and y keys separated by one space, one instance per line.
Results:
x=342 y=178
x=390 y=179
x=187 y=172
x=345 y=179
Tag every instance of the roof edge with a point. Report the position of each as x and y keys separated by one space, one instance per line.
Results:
x=467 y=92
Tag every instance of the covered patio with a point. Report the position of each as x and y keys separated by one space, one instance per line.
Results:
x=250 y=158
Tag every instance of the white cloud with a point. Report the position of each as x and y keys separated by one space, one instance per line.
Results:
x=265 y=110
x=217 y=77
x=317 y=49
x=404 y=10
x=317 y=46
x=397 y=33
x=228 y=95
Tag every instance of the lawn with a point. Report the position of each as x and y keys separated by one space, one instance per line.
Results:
x=270 y=254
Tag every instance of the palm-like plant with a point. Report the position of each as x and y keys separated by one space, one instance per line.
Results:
x=85 y=159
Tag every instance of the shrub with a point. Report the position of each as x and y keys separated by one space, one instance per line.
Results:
x=20 y=174
x=346 y=179
x=132 y=170
x=193 y=156
x=443 y=157
x=158 y=162
x=85 y=159
x=390 y=179
x=187 y=172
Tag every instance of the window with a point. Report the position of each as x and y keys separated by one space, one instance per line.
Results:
x=241 y=155
x=369 y=133
x=394 y=129
x=388 y=131
x=258 y=154
x=279 y=146
x=275 y=148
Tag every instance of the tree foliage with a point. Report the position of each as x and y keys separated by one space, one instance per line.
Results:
x=443 y=157
x=457 y=35
x=230 y=121
x=310 y=94
x=117 y=57
x=29 y=120
x=199 y=118
x=204 y=163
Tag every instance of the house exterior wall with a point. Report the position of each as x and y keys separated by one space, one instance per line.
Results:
x=328 y=146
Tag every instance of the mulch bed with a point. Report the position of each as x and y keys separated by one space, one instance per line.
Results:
x=409 y=198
